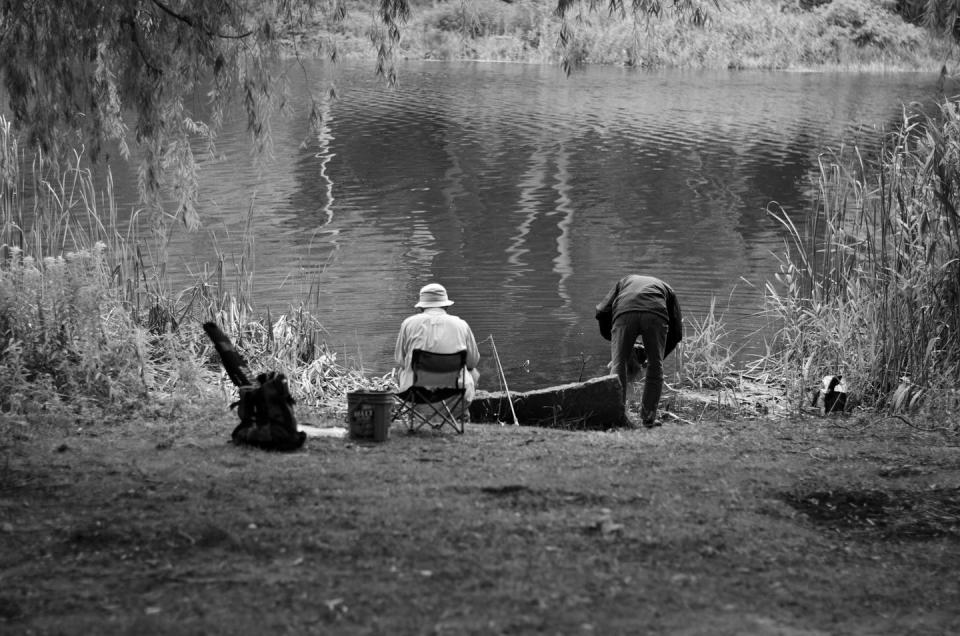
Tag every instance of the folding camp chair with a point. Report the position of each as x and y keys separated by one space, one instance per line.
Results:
x=437 y=396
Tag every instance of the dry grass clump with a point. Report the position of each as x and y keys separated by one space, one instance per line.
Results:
x=64 y=337
x=71 y=341
x=707 y=360
x=292 y=343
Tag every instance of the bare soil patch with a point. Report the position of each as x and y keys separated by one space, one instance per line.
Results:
x=748 y=526
x=895 y=514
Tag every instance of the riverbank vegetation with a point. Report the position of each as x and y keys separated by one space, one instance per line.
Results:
x=734 y=34
x=89 y=323
x=870 y=283
x=746 y=526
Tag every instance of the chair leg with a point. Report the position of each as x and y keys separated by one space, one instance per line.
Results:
x=451 y=412
x=403 y=412
x=439 y=411
x=452 y=417
x=416 y=420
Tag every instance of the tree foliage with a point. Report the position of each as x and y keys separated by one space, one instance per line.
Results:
x=88 y=72
x=937 y=15
x=94 y=73
x=695 y=11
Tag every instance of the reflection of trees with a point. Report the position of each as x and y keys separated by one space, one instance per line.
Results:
x=563 y=261
x=531 y=183
x=324 y=155
x=311 y=203
x=533 y=206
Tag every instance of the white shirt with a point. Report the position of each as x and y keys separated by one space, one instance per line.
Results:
x=439 y=332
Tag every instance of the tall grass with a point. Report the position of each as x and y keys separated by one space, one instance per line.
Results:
x=87 y=318
x=707 y=358
x=869 y=285
x=65 y=336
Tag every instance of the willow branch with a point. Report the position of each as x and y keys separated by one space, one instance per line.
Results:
x=190 y=22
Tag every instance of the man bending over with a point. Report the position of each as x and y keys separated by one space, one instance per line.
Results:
x=641 y=307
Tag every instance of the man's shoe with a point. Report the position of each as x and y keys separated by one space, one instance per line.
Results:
x=649 y=418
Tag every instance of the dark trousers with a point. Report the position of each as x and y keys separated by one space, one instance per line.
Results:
x=652 y=330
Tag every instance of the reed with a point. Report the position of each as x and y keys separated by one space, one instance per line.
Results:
x=707 y=359
x=869 y=285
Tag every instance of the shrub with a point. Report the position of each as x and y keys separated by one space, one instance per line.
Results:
x=866 y=23
x=64 y=335
x=484 y=18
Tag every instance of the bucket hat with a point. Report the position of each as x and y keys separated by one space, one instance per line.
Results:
x=433 y=295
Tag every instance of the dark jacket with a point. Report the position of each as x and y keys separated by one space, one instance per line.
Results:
x=642 y=293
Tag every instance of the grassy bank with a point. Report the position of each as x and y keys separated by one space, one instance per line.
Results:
x=737 y=34
x=725 y=528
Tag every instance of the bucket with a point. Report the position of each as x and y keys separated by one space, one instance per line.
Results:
x=368 y=413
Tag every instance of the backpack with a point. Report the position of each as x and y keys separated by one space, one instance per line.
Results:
x=265 y=407
x=266 y=415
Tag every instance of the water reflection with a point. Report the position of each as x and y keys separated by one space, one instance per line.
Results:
x=527 y=194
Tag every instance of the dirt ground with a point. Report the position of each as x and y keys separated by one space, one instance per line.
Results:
x=751 y=526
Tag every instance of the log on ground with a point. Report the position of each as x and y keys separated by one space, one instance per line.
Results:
x=592 y=405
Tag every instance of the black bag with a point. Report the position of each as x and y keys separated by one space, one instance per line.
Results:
x=266 y=415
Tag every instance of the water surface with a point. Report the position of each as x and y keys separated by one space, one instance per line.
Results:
x=527 y=194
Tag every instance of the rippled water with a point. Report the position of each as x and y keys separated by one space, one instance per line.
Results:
x=528 y=193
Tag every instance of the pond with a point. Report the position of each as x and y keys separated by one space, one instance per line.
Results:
x=527 y=193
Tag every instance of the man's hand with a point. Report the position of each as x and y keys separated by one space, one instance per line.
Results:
x=605 y=321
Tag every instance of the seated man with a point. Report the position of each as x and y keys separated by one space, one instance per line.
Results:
x=434 y=330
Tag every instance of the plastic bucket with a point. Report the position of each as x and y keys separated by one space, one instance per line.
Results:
x=368 y=414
